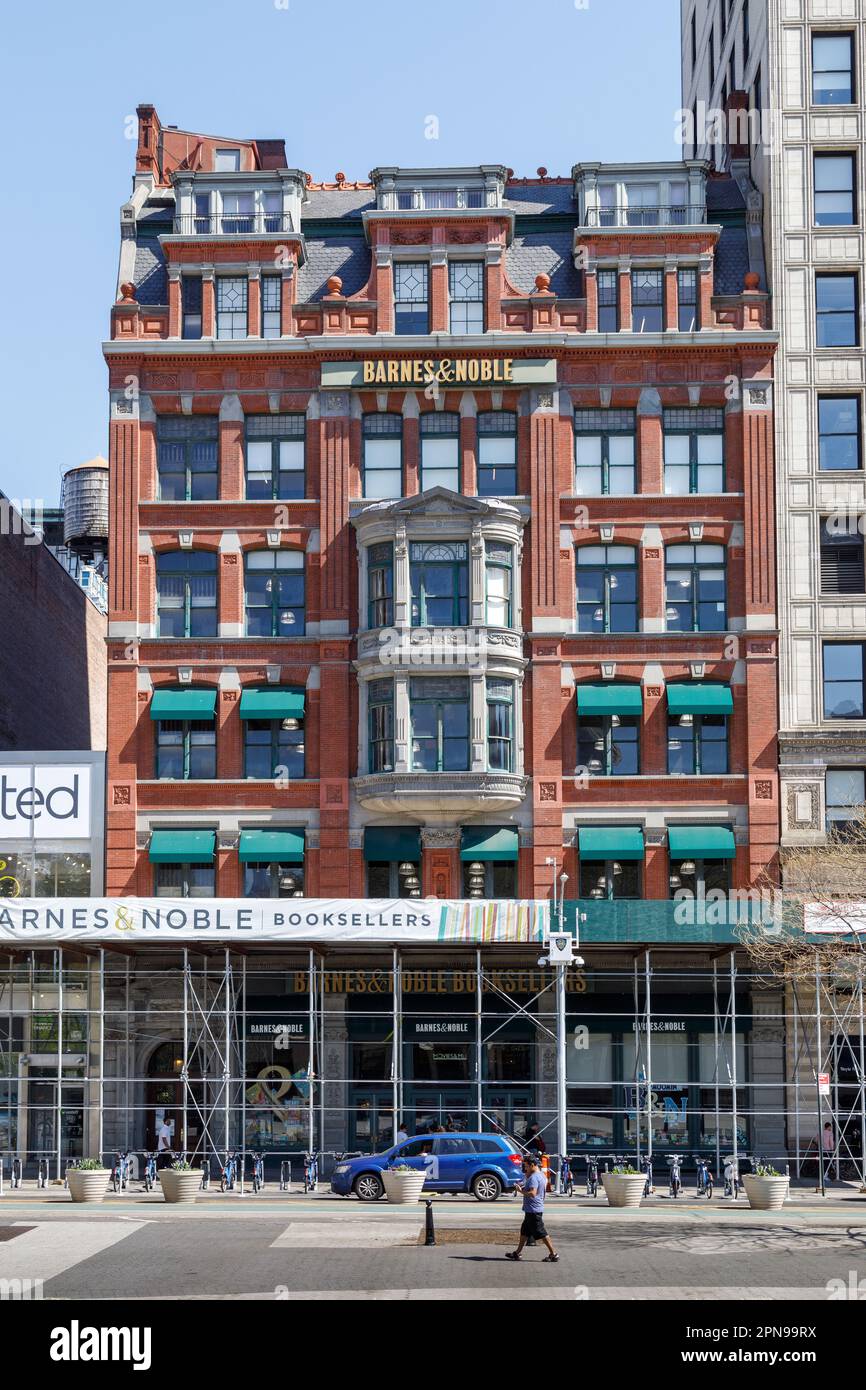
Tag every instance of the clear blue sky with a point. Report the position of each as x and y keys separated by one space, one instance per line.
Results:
x=349 y=85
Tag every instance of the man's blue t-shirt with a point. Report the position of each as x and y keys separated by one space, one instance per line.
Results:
x=534 y=1188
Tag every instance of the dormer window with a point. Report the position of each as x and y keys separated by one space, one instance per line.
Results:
x=411 y=307
x=438 y=199
x=466 y=292
x=227 y=161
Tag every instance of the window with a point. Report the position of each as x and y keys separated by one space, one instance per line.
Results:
x=272 y=286
x=609 y=879
x=384 y=879
x=500 y=882
x=839 y=432
x=380 y=585
x=185 y=751
x=604 y=443
x=845 y=795
x=698 y=745
x=227 y=161
x=843 y=680
x=272 y=213
x=694 y=445
x=440 y=450
x=836 y=305
x=411 y=309
x=273 y=750
x=695 y=588
x=466 y=288
x=439 y=582
x=609 y=745
x=275 y=449
x=439 y=717
x=832 y=69
x=273 y=880
x=201 y=218
x=190 y=298
x=382 y=456
x=608 y=301
x=186 y=584
x=834 y=190
x=497 y=453
x=380 y=708
x=500 y=725
x=186 y=457
x=642 y=204
x=499 y=566
x=606 y=589
x=842 y=569
x=184 y=881
x=231 y=306
x=238 y=213
x=695 y=878
x=688 y=316
x=274 y=584
x=647 y=314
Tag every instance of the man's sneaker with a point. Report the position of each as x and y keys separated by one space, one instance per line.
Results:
x=550 y=1260
x=512 y=1255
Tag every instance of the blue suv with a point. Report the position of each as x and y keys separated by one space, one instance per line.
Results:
x=483 y=1164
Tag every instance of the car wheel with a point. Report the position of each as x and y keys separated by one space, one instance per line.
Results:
x=486 y=1187
x=368 y=1187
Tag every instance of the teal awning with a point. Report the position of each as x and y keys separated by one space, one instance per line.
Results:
x=609 y=699
x=610 y=842
x=384 y=843
x=701 y=842
x=183 y=704
x=272 y=703
x=271 y=847
x=182 y=846
x=489 y=842
x=700 y=698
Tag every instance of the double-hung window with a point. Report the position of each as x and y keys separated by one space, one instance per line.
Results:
x=610 y=879
x=273 y=750
x=499 y=565
x=500 y=725
x=272 y=286
x=497 y=453
x=609 y=745
x=185 y=751
x=190 y=298
x=238 y=213
x=440 y=450
x=382 y=464
x=439 y=580
x=186 y=457
x=606 y=588
x=697 y=745
x=231 y=306
x=274 y=593
x=380 y=585
x=694 y=445
x=839 y=433
x=608 y=300
x=843 y=680
x=380 y=717
x=411 y=305
x=647 y=301
x=186 y=587
x=695 y=588
x=184 y=880
x=688 y=312
x=439 y=718
x=834 y=190
x=201 y=217
x=466 y=293
x=845 y=795
x=604 y=452
x=836 y=310
x=842 y=561
x=275 y=448
x=832 y=69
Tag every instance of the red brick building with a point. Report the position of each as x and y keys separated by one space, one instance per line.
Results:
x=442 y=530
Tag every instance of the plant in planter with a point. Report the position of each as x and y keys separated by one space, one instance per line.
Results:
x=766 y=1188
x=623 y=1185
x=88 y=1180
x=403 y=1183
x=180 y=1182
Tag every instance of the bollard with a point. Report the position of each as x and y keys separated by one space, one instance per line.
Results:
x=429 y=1233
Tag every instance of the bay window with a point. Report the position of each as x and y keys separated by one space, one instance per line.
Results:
x=499 y=568
x=231 y=306
x=500 y=725
x=439 y=719
x=380 y=585
x=411 y=306
x=380 y=715
x=466 y=292
x=439 y=580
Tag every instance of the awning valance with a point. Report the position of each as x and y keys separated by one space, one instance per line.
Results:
x=489 y=842
x=182 y=846
x=183 y=704
x=610 y=842
x=609 y=699
x=273 y=703
x=271 y=847
x=384 y=843
x=701 y=842
x=698 y=697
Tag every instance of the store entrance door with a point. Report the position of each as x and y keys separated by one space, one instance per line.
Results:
x=431 y=1107
x=371 y=1121
x=508 y=1110
x=42 y=1116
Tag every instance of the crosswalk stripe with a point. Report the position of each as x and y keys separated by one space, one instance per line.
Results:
x=50 y=1249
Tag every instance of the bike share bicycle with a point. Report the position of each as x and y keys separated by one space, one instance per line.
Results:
x=258 y=1176
x=311 y=1172
x=704 y=1178
x=120 y=1172
x=149 y=1172
x=676 y=1180
x=566 y=1177
x=592 y=1176
x=229 y=1172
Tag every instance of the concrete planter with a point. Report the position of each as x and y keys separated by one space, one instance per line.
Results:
x=179 y=1186
x=765 y=1194
x=623 y=1189
x=403 y=1187
x=88 y=1184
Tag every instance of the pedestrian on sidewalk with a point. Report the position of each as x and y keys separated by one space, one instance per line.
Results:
x=533 y=1189
x=402 y=1134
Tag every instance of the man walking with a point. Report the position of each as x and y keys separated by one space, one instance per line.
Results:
x=533 y=1188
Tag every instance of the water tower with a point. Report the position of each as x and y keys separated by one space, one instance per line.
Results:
x=84 y=498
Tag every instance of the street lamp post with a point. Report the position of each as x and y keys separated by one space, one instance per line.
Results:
x=558 y=913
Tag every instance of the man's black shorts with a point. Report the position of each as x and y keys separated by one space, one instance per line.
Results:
x=533 y=1225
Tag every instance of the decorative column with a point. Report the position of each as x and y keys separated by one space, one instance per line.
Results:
x=175 y=304
x=334 y=440
x=411 y=445
x=287 y=300
x=440 y=863
x=590 y=283
x=231 y=449
x=624 y=271
x=468 y=433
x=254 y=301
x=671 y=294
x=650 y=441
x=438 y=285
x=208 y=302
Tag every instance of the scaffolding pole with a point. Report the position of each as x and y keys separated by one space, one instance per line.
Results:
x=734 y=1111
x=862 y=1096
x=311 y=1114
x=59 y=1107
x=819 y=1051
x=637 y=1069
x=185 y=1071
x=649 y=1060
x=101 y=1134
x=716 y=1069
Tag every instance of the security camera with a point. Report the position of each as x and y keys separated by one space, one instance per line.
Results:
x=543 y=960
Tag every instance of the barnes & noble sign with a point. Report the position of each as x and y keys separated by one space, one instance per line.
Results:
x=444 y=371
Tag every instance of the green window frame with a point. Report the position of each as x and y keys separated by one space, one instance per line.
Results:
x=380 y=726
x=694 y=449
x=275 y=457
x=496 y=470
x=440 y=450
x=439 y=583
x=608 y=295
x=186 y=746
x=609 y=880
x=380 y=585
x=232 y=300
x=411 y=297
x=274 y=593
x=698 y=745
x=270 y=750
x=688 y=300
x=186 y=593
x=608 y=745
x=701 y=876
x=604 y=453
x=500 y=725
x=272 y=299
x=607 y=588
x=691 y=574
x=187 y=458
x=499 y=584
x=184 y=880
x=382 y=455
x=440 y=723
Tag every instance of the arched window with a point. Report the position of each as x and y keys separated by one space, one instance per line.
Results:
x=606 y=588
x=274 y=593
x=186 y=590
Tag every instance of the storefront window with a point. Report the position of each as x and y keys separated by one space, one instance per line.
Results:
x=62 y=875
x=184 y=881
x=273 y=880
x=589 y=1077
x=397 y=878
x=492 y=879
x=610 y=878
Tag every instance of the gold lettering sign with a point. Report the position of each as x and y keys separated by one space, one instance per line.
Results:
x=446 y=371
x=437 y=981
